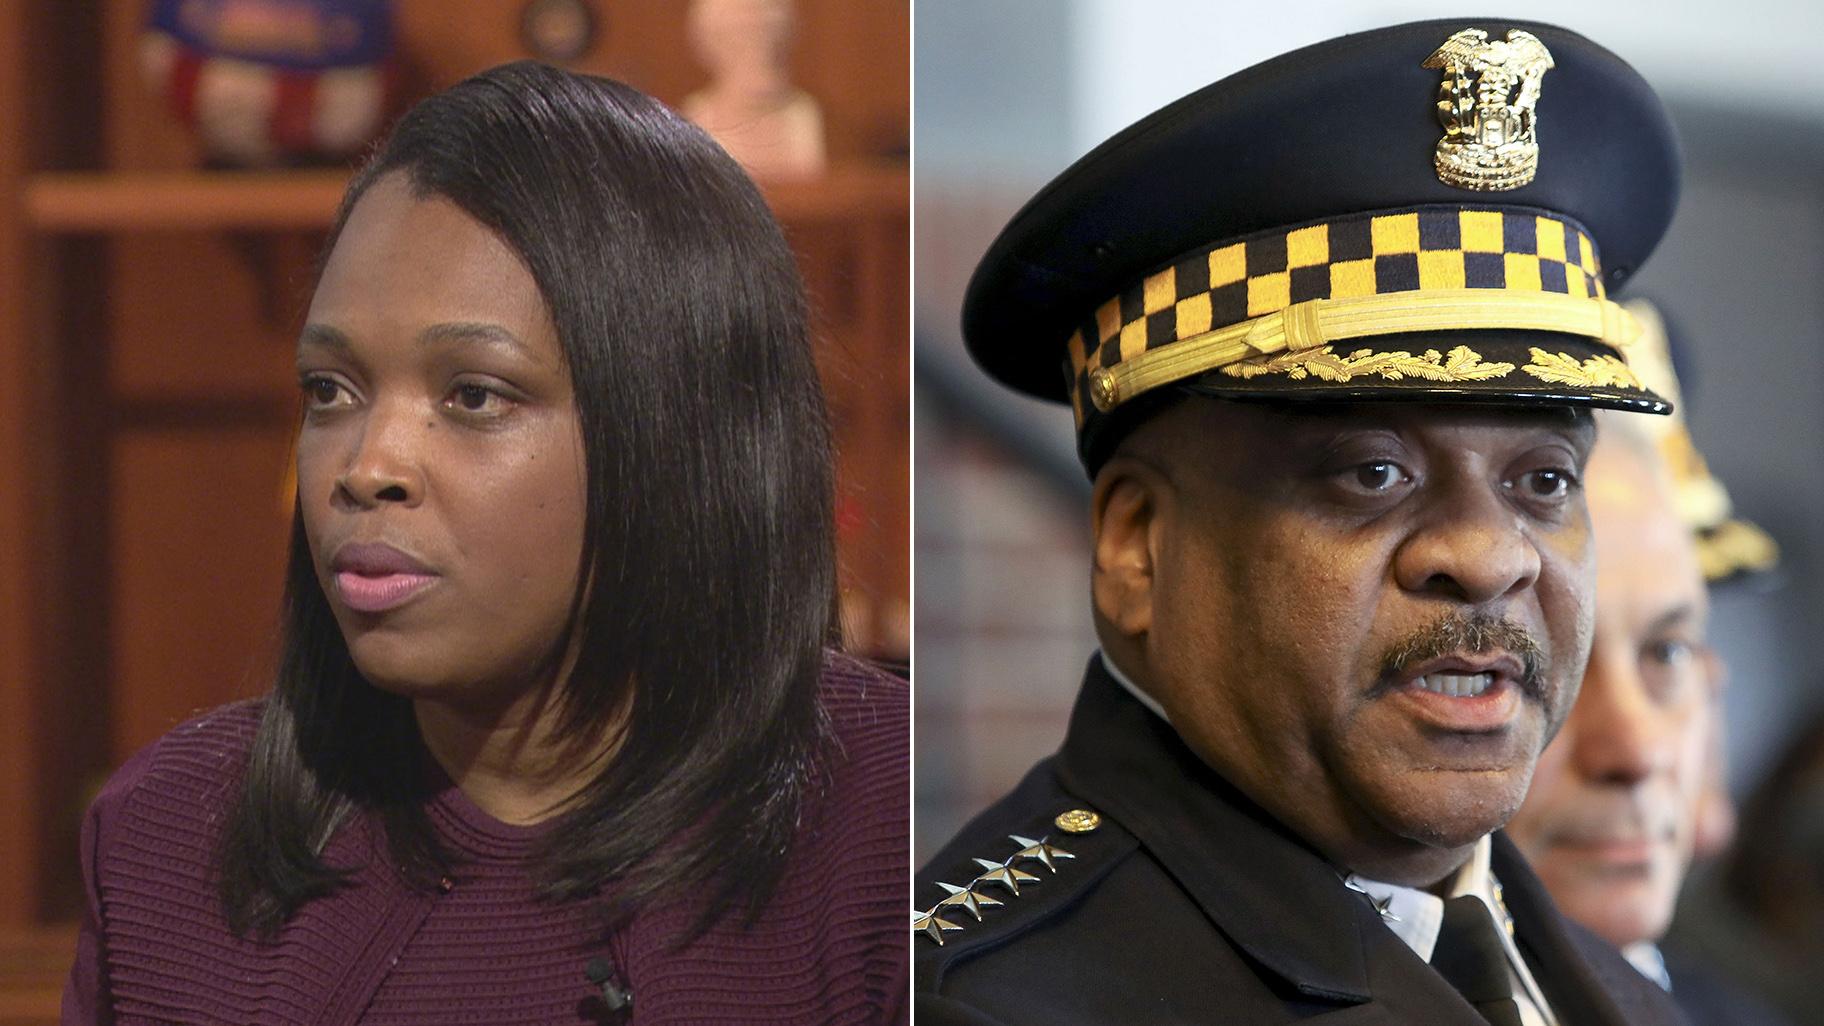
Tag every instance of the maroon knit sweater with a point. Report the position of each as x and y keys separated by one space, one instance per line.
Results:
x=830 y=947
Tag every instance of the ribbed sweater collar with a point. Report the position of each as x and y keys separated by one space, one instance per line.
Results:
x=465 y=826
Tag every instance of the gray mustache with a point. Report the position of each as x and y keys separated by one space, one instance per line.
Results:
x=1474 y=634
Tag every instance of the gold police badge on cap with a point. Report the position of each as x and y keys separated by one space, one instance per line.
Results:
x=1486 y=106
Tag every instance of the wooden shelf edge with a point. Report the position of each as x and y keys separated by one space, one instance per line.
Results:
x=100 y=202
x=847 y=191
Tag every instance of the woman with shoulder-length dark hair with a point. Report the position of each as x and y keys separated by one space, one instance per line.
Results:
x=555 y=736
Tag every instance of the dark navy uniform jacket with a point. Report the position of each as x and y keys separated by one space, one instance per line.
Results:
x=1710 y=1000
x=1188 y=904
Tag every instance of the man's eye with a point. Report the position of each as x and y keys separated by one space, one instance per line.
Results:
x=1673 y=669
x=1380 y=475
x=1545 y=484
x=1671 y=653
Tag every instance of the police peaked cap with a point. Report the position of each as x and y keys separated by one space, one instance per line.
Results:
x=1434 y=211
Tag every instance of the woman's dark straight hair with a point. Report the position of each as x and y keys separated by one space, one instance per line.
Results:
x=708 y=568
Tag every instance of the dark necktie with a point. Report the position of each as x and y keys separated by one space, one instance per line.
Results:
x=1469 y=955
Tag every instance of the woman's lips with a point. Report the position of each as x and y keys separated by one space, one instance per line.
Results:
x=373 y=577
x=378 y=593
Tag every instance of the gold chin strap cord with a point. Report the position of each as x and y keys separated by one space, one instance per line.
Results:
x=1319 y=322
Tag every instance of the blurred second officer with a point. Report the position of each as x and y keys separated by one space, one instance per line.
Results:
x=1614 y=812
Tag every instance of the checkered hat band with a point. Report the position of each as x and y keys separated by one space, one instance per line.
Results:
x=1434 y=247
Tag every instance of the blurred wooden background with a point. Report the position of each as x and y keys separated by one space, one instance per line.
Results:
x=147 y=315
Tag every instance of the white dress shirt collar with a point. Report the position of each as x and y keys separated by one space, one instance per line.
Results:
x=1645 y=956
x=1133 y=689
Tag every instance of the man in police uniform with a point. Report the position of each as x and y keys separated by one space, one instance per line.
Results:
x=1331 y=329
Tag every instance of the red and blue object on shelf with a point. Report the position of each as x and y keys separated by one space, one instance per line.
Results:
x=274 y=82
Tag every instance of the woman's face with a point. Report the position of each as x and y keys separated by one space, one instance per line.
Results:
x=440 y=462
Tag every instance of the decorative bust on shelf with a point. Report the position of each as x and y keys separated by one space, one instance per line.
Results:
x=272 y=82
x=750 y=105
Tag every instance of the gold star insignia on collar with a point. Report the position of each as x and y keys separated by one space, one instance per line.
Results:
x=1005 y=875
x=929 y=924
x=966 y=899
x=1044 y=853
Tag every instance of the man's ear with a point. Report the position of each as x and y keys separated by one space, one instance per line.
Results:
x=1125 y=508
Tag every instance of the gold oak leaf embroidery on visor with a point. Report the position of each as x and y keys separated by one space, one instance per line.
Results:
x=1602 y=371
x=1323 y=363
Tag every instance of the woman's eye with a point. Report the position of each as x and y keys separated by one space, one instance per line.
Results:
x=1380 y=475
x=321 y=392
x=1545 y=484
x=470 y=397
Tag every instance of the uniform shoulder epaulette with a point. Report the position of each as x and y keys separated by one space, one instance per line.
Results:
x=1024 y=875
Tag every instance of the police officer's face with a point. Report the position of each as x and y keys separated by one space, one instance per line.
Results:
x=1610 y=819
x=1370 y=618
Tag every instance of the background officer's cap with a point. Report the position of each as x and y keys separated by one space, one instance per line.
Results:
x=1731 y=550
x=1433 y=211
